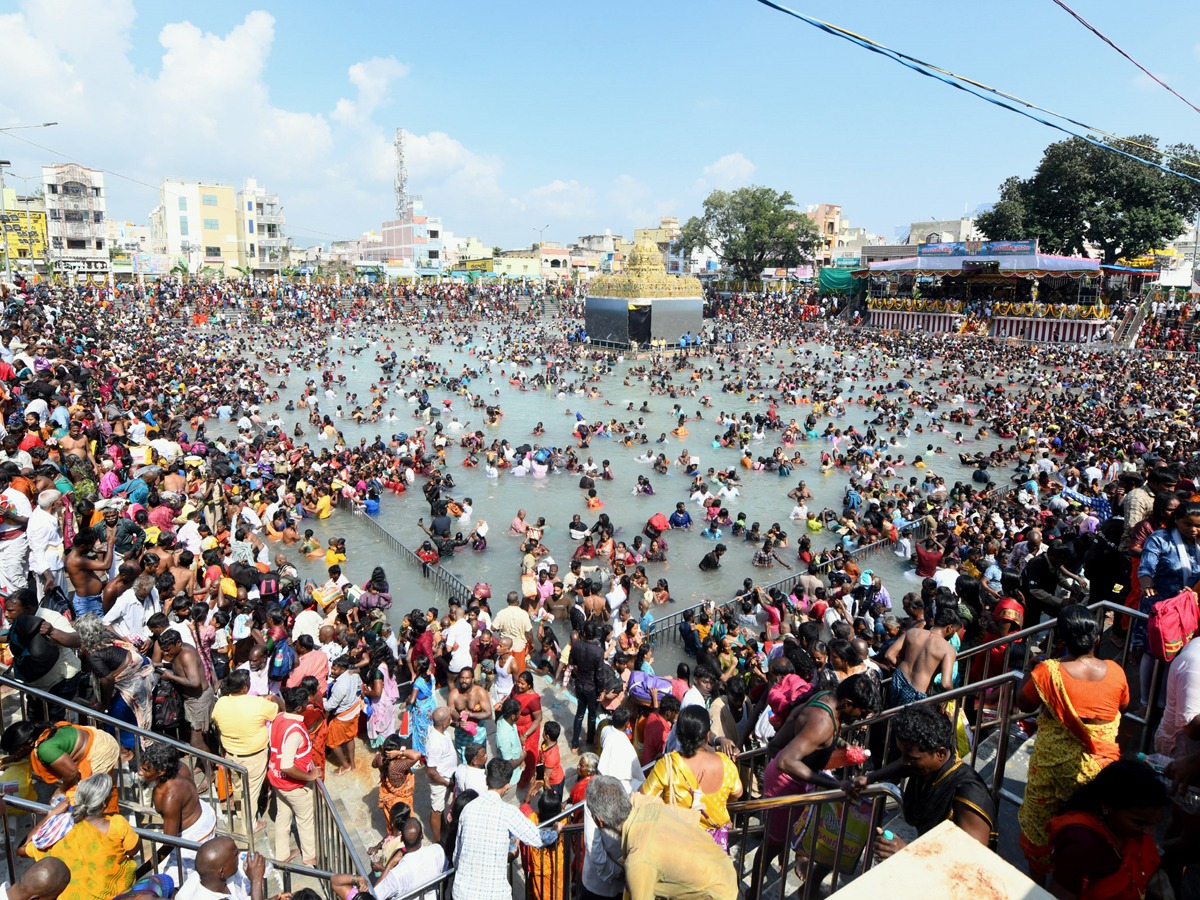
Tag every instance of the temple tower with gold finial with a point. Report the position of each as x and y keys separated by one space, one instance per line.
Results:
x=643 y=303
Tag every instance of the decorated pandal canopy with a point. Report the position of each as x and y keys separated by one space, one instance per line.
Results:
x=988 y=261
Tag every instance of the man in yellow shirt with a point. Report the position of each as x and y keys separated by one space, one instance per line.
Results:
x=666 y=852
x=244 y=721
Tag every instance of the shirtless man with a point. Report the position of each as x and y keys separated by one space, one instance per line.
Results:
x=594 y=603
x=918 y=655
x=183 y=570
x=176 y=799
x=126 y=575
x=84 y=568
x=181 y=666
x=469 y=704
x=76 y=443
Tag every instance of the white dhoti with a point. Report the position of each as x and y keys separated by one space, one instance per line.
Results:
x=14 y=564
x=203 y=829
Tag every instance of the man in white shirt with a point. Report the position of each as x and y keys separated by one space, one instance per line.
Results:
x=218 y=876
x=14 y=544
x=1179 y=731
x=46 y=552
x=308 y=621
x=441 y=759
x=127 y=615
x=458 y=641
x=188 y=536
x=419 y=865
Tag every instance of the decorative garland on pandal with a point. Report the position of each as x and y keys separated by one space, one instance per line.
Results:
x=1030 y=309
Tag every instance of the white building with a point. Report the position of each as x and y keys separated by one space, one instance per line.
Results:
x=940 y=231
x=75 y=221
x=262 y=243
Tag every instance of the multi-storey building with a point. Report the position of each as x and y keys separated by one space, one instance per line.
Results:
x=75 y=222
x=262 y=243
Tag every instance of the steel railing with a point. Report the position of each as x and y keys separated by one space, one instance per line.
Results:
x=336 y=852
x=446 y=584
x=1101 y=610
x=767 y=812
x=150 y=840
x=237 y=779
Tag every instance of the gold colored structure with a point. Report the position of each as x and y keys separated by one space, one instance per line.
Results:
x=645 y=276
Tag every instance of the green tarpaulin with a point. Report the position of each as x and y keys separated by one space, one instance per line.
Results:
x=836 y=281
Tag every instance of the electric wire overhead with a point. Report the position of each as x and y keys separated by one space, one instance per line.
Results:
x=993 y=95
x=1098 y=33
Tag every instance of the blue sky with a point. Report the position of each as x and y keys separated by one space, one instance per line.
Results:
x=573 y=115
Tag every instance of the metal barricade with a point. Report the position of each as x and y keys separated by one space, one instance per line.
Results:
x=753 y=850
x=1045 y=630
x=150 y=840
x=224 y=776
x=336 y=852
x=447 y=585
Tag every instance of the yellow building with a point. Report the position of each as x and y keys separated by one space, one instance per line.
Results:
x=197 y=223
x=24 y=223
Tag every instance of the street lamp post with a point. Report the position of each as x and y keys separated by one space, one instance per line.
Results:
x=540 y=232
x=3 y=211
x=4 y=222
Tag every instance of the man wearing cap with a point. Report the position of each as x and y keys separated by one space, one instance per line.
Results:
x=46 y=553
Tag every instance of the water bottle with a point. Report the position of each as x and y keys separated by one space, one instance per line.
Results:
x=1189 y=799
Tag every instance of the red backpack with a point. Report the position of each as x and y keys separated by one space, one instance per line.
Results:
x=1172 y=623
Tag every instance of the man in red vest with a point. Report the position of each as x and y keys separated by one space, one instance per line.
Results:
x=290 y=770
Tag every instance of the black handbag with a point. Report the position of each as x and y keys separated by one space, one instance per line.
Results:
x=168 y=705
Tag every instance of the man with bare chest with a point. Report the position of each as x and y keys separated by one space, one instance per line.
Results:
x=75 y=443
x=471 y=708
x=85 y=564
x=919 y=655
x=178 y=802
x=186 y=672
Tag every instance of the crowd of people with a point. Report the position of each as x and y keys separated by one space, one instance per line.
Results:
x=144 y=568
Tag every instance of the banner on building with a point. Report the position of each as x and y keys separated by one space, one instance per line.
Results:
x=979 y=248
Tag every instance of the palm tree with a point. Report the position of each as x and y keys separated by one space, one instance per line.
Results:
x=246 y=271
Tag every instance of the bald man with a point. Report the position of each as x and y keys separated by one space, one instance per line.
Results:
x=44 y=880
x=441 y=759
x=217 y=873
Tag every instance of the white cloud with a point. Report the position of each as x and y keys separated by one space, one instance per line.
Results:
x=730 y=171
x=559 y=200
x=373 y=78
x=200 y=105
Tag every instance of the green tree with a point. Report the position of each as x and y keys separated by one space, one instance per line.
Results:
x=1082 y=197
x=751 y=229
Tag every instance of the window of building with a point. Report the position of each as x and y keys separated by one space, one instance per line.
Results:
x=53 y=188
x=212 y=224
x=56 y=214
x=99 y=244
x=433 y=234
x=183 y=226
x=251 y=249
x=97 y=217
x=212 y=252
x=56 y=243
x=183 y=204
x=249 y=206
x=95 y=192
x=433 y=254
x=209 y=199
x=933 y=238
x=74 y=244
x=251 y=224
x=73 y=215
x=73 y=189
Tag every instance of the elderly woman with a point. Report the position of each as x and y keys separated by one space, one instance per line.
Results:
x=98 y=847
x=126 y=678
x=1081 y=700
